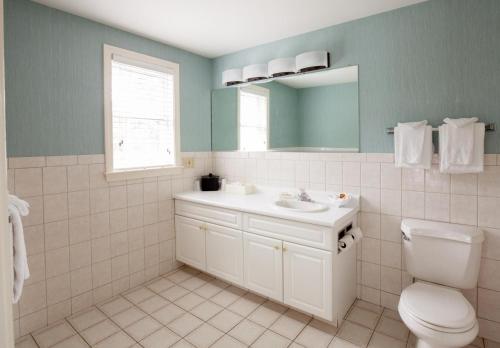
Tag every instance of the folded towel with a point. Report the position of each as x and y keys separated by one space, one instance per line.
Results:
x=413 y=145
x=461 y=136
x=18 y=208
x=458 y=153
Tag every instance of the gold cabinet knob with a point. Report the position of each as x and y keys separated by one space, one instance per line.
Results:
x=284 y=248
x=277 y=247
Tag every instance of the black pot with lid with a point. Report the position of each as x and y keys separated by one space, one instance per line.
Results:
x=210 y=182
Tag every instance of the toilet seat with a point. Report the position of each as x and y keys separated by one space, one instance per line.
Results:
x=438 y=308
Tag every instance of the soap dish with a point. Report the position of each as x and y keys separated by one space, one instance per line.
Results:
x=340 y=199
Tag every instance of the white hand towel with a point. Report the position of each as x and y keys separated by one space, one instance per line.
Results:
x=448 y=150
x=413 y=145
x=461 y=139
x=18 y=208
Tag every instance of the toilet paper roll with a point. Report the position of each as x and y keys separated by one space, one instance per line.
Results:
x=356 y=234
x=346 y=242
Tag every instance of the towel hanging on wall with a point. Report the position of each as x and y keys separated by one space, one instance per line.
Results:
x=461 y=146
x=413 y=145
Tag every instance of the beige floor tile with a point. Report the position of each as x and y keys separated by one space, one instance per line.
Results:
x=184 y=324
x=139 y=294
x=115 y=306
x=296 y=345
x=393 y=328
x=189 y=301
x=174 y=293
x=206 y=310
x=247 y=331
x=316 y=334
x=209 y=290
x=382 y=341
x=128 y=317
x=228 y=296
x=270 y=339
x=26 y=342
x=290 y=324
x=143 y=328
x=183 y=344
x=99 y=332
x=363 y=317
x=48 y=337
x=153 y=304
x=227 y=341
x=180 y=276
x=168 y=314
x=117 y=340
x=204 y=336
x=160 y=285
x=267 y=313
x=72 y=342
x=193 y=283
x=354 y=333
x=369 y=306
x=338 y=342
x=161 y=338
x=225 y=320
x=389 y=313
x=246 y=304
x=86 y=319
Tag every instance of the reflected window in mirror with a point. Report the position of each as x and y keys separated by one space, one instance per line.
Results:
x=253 y=110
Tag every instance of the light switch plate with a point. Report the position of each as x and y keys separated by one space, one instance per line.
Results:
x=188 y=162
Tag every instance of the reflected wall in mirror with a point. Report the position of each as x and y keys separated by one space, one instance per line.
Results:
x=316 y=111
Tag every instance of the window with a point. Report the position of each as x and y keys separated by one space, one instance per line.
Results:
x=253 y=118
x=141 y=114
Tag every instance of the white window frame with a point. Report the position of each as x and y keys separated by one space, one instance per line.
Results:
x=147 y=62
x=261 y=91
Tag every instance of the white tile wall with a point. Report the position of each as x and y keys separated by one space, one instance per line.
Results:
x=387 y=195
x=88 y=239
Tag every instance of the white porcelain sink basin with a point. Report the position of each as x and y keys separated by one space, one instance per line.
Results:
x=306 y=207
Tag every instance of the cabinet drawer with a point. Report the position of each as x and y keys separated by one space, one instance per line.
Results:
x=297 y=232
x=219 y=216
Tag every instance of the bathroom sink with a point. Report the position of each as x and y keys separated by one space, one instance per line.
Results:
x=301 y=206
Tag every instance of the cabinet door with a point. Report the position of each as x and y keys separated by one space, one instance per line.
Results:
x=225 y=253
x=190 y=241
x=307 y=277
x=263 y=265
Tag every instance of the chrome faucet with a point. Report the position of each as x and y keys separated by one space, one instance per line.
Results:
x=303 y=196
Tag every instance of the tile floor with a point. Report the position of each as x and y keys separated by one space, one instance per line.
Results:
x=191 y=309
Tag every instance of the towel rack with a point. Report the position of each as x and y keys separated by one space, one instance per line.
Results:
x=489 y=127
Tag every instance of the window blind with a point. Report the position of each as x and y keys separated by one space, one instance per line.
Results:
x=142 y=116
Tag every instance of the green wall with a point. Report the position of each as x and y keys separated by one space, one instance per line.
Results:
x=283 y=115
x=54 y=82
x=433 y=60
x=329 y=116
x=225 y=119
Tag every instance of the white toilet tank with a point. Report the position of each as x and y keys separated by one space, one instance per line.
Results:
x=442 y=253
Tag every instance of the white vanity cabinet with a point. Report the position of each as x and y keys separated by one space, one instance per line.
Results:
x=224 y=253
x=288 y=261
x=263 y=265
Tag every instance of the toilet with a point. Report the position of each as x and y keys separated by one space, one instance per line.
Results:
x=443 y=258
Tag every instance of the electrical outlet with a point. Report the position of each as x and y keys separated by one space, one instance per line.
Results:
x=188 y=162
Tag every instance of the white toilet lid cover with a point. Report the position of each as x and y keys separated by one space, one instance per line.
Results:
x=438 y=305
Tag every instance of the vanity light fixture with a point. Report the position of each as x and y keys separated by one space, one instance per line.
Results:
x=312 y=60
x=281 y=67
x=255 y=72
x=232 y=77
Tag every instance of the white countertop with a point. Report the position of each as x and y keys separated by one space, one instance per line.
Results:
x=262 y=202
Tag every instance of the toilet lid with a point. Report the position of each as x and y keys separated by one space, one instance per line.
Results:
x=438 y=306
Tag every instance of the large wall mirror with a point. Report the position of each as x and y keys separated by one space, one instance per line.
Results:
x=317 y=111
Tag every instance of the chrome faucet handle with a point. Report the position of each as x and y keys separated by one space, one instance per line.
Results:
x=303 y=196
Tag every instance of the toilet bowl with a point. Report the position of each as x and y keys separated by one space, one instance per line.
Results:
x=440 y=317
x=444 y=257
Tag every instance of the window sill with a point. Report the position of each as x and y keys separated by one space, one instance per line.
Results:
x=129 y=174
